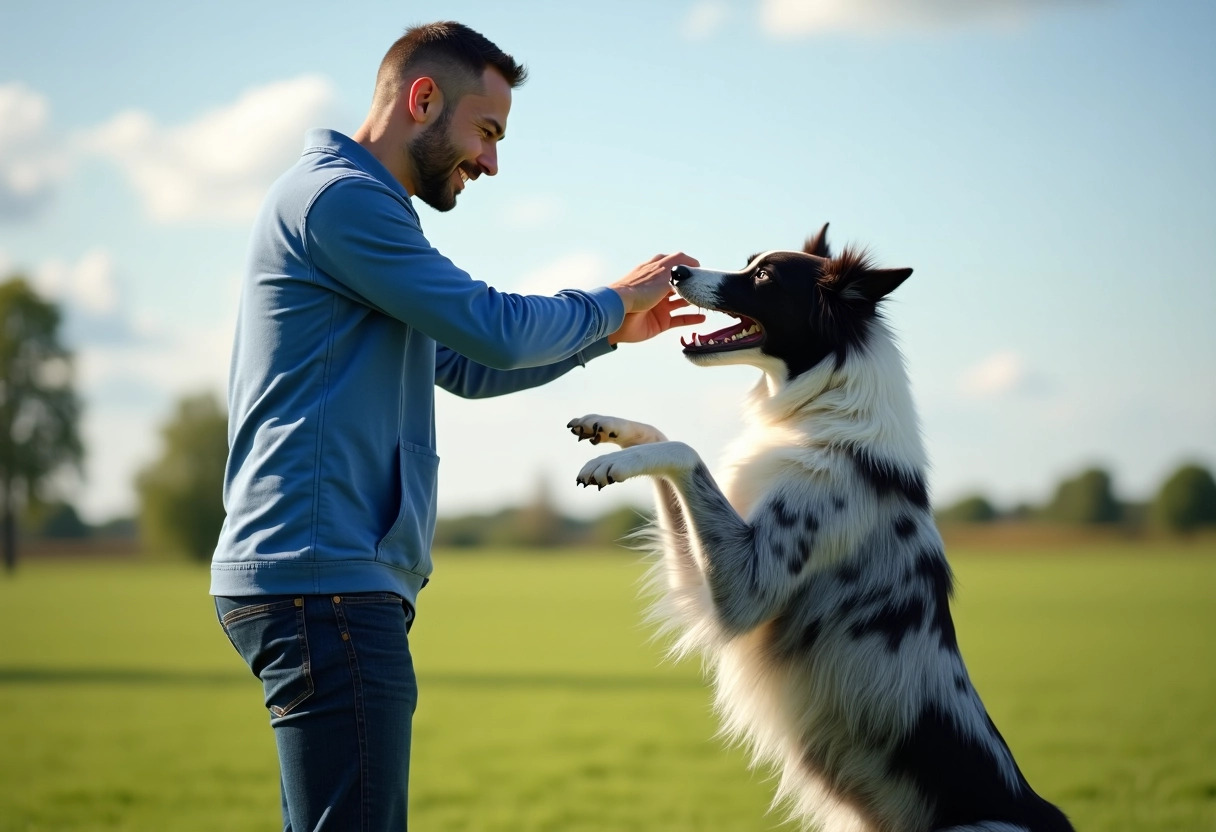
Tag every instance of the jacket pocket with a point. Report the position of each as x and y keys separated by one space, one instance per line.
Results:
x=408 y=542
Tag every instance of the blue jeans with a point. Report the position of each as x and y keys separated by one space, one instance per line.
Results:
x=339 y=684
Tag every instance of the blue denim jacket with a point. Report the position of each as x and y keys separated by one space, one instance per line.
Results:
x=348 y=319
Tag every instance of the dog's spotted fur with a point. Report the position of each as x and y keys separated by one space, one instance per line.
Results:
x=814 y=580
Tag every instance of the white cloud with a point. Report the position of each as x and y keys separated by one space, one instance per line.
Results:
x=796 y=18
x=91 y=297
x=183 y=359
x=580 y=270
x=218 y=166
x=997 y=375
x=704 y=19
x=31 y=162
x=87 y=283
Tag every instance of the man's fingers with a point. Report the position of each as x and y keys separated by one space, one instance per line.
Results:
x=686 y=320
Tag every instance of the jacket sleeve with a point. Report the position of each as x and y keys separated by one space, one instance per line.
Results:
x=470 y=380
x=361 y=236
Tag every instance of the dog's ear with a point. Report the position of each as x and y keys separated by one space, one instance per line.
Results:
x=876 y=284
x=852 y=276
x=817 y=244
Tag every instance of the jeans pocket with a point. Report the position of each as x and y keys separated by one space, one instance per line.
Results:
x=271 y=636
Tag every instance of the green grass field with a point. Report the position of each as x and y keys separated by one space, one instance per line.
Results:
x=544 y=707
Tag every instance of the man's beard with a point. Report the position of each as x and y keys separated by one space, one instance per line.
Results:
x=434 y=161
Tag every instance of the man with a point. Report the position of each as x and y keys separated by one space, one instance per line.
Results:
x=348 y=320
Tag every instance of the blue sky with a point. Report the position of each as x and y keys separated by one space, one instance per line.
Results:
x=1047 y=168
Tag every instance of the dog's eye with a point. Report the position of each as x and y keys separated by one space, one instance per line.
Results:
x=761 y=278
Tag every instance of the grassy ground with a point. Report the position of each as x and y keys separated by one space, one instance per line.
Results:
x=122 y=706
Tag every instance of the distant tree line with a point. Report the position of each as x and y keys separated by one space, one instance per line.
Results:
x=1184 y=503
x=537 y=525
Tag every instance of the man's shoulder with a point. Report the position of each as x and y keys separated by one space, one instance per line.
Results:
x=338 y=187
x=332 y=161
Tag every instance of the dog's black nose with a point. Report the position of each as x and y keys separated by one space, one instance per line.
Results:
x=679 y=273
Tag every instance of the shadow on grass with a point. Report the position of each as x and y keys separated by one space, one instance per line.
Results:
x=557 y=681
x=118 y=676
x=499 y=681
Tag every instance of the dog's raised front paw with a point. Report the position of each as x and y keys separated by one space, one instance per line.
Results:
x=605 y=470
x=612 y=429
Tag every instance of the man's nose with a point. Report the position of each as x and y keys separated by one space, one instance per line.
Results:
x=488 y=161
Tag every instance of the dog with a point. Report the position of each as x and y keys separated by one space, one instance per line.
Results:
x=814 y=581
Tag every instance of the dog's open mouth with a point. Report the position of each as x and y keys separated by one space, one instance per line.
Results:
x=742 y=335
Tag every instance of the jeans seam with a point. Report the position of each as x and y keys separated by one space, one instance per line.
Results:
x=250 y=610
x=377 y=598
x=302 y=634
x=360 y=717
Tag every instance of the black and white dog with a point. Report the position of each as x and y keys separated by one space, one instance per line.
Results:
x=814 y=581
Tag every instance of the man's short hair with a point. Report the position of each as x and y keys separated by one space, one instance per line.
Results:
x=451 y=53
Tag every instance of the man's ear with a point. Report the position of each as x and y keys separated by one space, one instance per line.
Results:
x=425 y=100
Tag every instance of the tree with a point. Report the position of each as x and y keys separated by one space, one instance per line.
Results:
x=39 y=408
x=537 y=524
x=56 y=520
x=181 y=494
x=1087 y=498
x=974 y=509
x=1186 y=501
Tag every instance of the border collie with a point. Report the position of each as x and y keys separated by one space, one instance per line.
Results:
x=814 y=581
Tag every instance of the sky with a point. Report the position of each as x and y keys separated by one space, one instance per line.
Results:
x=1046 y=167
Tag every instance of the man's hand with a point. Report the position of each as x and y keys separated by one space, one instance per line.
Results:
x=641 y=326
x=649 y=301
x=650 y=282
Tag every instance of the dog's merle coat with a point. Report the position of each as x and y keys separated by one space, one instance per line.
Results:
x=814 y=581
